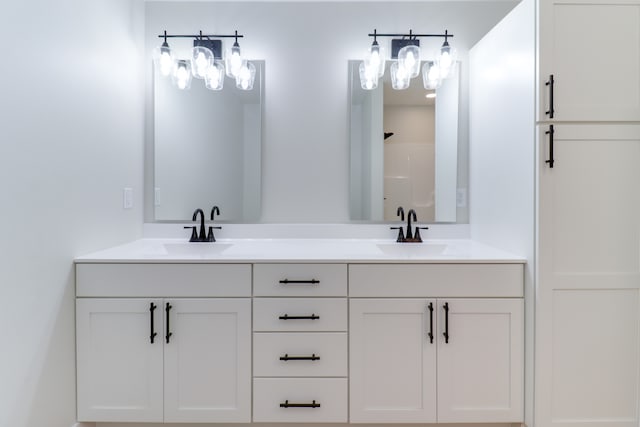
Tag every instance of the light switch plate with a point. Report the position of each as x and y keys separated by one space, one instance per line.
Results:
x=127 y=198
x=461 y=198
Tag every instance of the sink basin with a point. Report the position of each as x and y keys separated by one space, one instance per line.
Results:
x=196 y=249
x=412 y=249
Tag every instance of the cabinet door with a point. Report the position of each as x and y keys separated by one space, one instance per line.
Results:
x=481 y=360
x=588 y=300
x=119 y=369
x=592 y=48
x=392 y=361
x=207 y=360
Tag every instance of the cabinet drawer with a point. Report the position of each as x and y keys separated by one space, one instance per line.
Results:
x=300 y=355
x=163 y=280
x=436 y=280
x=329 y=393
x=329 y=280
x=318 y=314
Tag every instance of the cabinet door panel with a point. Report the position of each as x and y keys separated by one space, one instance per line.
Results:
x=593 y=50
x=587 y=312
x=208 y=361
x=392 y=362
x=480 y=368
x=119 y=370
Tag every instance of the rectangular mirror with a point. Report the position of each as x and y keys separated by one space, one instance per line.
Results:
x=404 y=149
x=207 y=149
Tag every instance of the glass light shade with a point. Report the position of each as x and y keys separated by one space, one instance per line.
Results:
x=431 y=75
x=368 y=75
x=233 y=61
x=163 y=59
x=246 y=76
x=181 y=76
x=377 y=58
x=409 y=59
x=201 y=60
x=214 y=78
x=400 y=78
x=446 y=60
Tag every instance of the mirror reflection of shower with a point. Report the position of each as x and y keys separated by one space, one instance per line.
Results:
x=409 y=151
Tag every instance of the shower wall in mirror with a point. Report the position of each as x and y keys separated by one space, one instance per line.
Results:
x=207 y=150
x=404 y=150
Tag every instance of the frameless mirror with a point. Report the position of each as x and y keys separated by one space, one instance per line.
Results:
x=404 y=149
x=207 y=149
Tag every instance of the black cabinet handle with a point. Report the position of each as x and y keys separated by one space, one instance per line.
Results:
x=550 y=132
x=286 y=357
x=446 y=322
x=550 y=83
x=299 y=282
x=152 y=308
x=430 y=334
x=287 y=317
x=286 y=404
x=167 y=309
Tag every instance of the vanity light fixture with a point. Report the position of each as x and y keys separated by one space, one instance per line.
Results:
x=206 y=62
x=406 y=51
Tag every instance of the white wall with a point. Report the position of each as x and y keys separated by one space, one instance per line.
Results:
x=502 y=157
x=306 y=47
x=71 y=114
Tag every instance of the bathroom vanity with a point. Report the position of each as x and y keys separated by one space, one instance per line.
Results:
x=301 y=330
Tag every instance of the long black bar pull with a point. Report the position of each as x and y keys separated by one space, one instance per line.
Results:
x=287 y=317
x=299 y=282
x=286 y=404
x=167 y=309
x=286 y=357
x=152 y=308
x=550 y=83
x=430 y=334
x=550 y=132
x=446 y=322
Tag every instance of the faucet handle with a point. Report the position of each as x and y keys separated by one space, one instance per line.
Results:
x=417 y=236
x=400 y=234
x=210 y=236
x=194 y=233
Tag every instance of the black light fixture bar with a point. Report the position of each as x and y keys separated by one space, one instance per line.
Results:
x=200 y=36
x=410 y=35
x=406 y=39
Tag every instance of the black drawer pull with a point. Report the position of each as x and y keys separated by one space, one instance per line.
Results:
x=286 y=357
x=286 y=404
x=287 y=317
x=550 y=132
x=430 y=334
x=152 y=308
x=299 y=282
x=167 y=309
x=550 y=83
x=446 y=322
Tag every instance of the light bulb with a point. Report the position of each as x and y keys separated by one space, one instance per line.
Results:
x=376 y=58
x=431 y=75
x=163 y=59
x=214 y=78
x=246 y=76
x=182 y=74
x=201 y=60
x=368 y=75
x=234 y=61
x=409 y=59
x=400 y=77
x=446 y=60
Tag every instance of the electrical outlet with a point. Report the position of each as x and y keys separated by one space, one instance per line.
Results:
x=127 y=198
x=461 y=198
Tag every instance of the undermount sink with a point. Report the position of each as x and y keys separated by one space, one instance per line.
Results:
x=412 y=249
x=193 y=248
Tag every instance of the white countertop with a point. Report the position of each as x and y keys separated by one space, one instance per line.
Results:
x=301 y=250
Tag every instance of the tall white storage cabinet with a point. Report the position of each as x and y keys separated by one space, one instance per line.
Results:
x=588 y=294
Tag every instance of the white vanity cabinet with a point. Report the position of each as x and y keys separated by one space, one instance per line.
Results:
x=573 y=33
x=402 y=366
x=170 y=359
x=300 y=343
